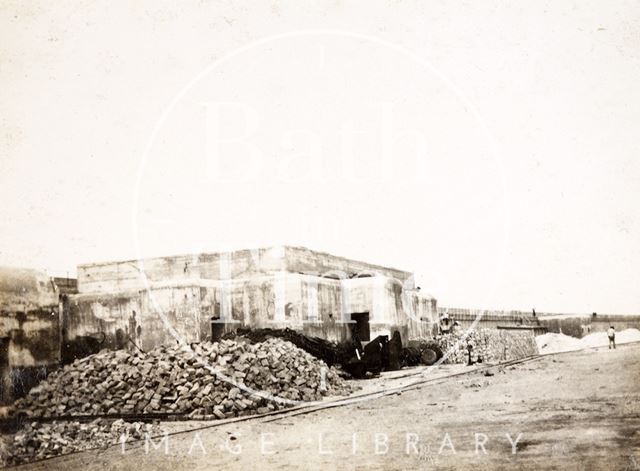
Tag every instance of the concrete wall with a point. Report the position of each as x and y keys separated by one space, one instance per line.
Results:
x=141 y=319
x=313 y=304
x=29 y=329
x=579 y=326
x=29 y=317
x=303 y=260
x=23 y=290
x=576 y=325
x=152 y=302
x=130 y=275
x=112 y=277
x=33 y=337
x=489 y=318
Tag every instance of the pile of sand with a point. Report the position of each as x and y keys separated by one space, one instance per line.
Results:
x=600 y=339
x=554 y=343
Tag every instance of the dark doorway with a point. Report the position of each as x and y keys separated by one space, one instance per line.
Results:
x=217 y=329
x=362 y=325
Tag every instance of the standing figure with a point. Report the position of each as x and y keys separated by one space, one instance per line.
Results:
x=445 y=324
x=611 y=333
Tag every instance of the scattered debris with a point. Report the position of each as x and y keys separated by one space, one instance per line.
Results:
x=36 y=441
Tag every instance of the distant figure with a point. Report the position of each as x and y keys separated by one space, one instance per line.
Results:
x=611 y=333
x=445 y=324
x=469 y=349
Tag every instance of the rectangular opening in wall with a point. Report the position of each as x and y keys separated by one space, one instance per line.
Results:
x=217 y=329
x=362 y=325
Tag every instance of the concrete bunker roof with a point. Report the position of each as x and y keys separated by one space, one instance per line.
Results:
x=261 y=249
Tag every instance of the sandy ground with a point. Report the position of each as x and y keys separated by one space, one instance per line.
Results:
x=578 y=410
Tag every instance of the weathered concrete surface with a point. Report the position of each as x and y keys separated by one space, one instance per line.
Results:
x=34 y=336
x=29 y=320
x=23 y=290
x=134 y=275
x=109 y=277
x=29 y=329
x=573 y=324
x=303 y=260
x=65 y=285
x=196 y=297
x=317 y=306
x=580 y=326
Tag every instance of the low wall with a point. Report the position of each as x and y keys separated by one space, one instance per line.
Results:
x=576 y=325
x=490 y=344
x=579 y=326
x=488 y=318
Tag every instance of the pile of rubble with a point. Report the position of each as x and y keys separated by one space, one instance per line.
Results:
x=208 y=380
x=488 y=345
x=38 y=441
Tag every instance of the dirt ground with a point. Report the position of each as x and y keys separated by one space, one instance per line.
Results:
x=578 y=410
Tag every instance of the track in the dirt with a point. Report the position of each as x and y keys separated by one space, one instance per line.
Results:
x=280 y=414
x=310 y=407
x=176 y=416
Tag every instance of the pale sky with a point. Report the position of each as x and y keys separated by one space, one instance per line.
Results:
x=511 y=129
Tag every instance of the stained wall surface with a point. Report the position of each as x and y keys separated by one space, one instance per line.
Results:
x=190 y=297
x=29 y=317
x=30 y=342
